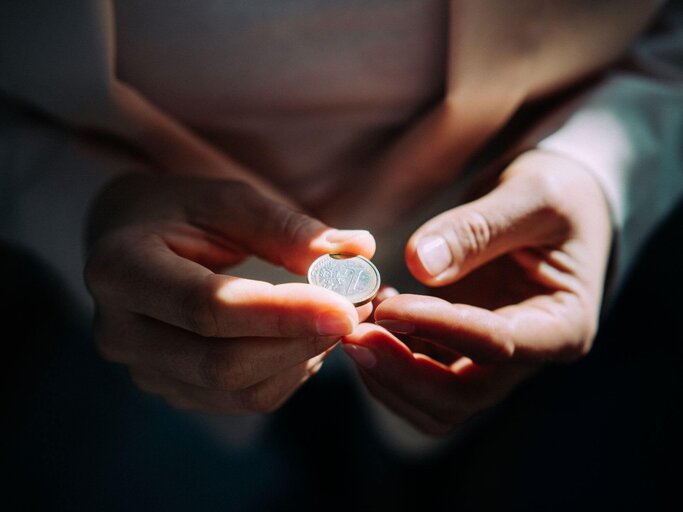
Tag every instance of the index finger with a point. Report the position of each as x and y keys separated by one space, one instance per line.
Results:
x=137 y=271
x=474 y=332
x=545 y=327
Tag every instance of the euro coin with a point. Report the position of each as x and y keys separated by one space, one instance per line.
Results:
x=353 y=277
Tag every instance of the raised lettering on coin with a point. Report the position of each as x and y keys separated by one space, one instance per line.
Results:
x=353 y=277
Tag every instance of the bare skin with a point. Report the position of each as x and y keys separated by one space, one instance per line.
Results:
x=202 y=340
x=517 y=279
x=520 y=284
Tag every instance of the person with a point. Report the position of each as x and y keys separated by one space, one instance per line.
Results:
x=360 y=128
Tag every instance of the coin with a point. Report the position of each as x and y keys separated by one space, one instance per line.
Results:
x=353 y=277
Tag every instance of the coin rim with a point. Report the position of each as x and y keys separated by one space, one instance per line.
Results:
x=348 y=256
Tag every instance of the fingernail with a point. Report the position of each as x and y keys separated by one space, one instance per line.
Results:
x=341 y=236
x=398 y=326
x=334 y=324
x=434 y=254
x=361 y=355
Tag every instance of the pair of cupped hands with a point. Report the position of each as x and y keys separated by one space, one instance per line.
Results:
x=515 y=277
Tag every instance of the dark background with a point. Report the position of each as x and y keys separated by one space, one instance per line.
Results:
x=600 y=434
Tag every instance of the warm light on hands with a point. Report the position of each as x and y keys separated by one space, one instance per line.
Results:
x=202 y=340
x=517 y=279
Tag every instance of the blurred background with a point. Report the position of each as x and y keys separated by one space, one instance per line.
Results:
x=600 y=434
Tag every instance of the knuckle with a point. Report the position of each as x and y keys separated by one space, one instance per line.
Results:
x=473 y=232
x=226 y=371
x=585 y=342
x=590 y=331
x=212 y=373
x=580 y=343
x=262 y=399
x=221 y=200
x=583 y=349
x=105 y=267
x=551 y=189
x=290 y=223
x=550 y=186
x=199 y=307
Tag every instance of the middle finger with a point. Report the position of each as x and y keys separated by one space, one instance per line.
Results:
x=227 y=364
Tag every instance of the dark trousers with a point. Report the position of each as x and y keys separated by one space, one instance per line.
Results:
x=601 y=434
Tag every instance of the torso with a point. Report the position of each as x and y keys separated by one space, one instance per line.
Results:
x=305 y=93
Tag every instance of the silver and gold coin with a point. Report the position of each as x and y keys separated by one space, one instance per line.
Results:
x=353 y=277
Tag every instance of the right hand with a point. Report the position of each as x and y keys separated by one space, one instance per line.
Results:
x=206 y=341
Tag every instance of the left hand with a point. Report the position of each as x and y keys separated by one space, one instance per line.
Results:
x=519 y=277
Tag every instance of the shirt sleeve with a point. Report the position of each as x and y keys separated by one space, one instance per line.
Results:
x=628 y=131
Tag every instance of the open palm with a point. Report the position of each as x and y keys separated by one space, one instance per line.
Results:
x=516 y=280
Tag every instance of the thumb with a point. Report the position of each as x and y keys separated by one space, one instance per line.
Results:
x=275 y=231
x=520 y=212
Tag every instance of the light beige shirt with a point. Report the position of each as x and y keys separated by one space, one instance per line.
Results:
x=373 y=103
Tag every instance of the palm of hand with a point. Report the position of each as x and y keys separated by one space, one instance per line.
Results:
x=523 y=287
